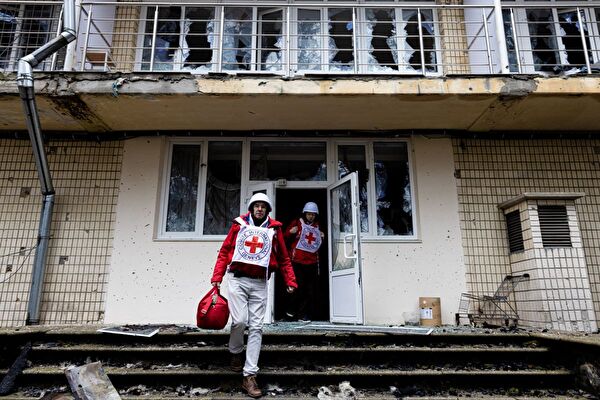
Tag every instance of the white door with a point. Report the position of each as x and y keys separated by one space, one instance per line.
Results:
x=345 y=286
x=267 y=188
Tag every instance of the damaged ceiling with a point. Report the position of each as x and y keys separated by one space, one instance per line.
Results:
x=103 y=102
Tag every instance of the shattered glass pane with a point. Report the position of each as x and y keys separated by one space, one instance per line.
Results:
x=8 y=26
x=543 y=40
x=412 y=47
x=237 y=38
x=294 y=161
x=271 y=41
x=183 y=188
x=23 y=29
x=352 y=158
x=309 y=40
x=571 y=37
x=341 y=225
x=167 y=38
x=341 y=46
x=380 y=32
x=393 y=192
x=510 y=41
x=223 y=179
x=199 y=40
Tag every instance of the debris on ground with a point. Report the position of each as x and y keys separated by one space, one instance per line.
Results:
x=132 y=330
x=90 y=382
x=8 y=382
x=589 y=375
x=344 y=391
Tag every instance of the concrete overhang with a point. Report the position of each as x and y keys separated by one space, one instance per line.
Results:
x=102 y=102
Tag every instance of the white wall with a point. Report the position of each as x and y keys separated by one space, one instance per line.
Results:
x=162 y=281
x=152 y=281
x=397 y=274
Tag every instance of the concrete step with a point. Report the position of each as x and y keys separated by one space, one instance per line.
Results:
x=474 y=365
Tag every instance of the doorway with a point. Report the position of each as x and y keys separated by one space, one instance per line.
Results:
x=289 y=207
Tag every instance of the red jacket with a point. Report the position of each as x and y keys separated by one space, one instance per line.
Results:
x=279 y=256
x=300 y=256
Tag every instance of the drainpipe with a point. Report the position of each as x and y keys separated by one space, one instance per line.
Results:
x=25 y=84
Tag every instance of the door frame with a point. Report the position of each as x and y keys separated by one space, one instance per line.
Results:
x=356 y=270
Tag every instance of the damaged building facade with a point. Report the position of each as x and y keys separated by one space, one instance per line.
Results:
x=447 y=144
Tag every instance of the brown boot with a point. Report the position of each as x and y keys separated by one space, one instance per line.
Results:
x=236 y=363
x=251 y=387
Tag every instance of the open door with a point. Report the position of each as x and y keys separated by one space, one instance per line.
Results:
x=267 y=188
x=345 y=286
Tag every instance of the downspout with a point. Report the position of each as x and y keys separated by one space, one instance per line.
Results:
x=25 y=84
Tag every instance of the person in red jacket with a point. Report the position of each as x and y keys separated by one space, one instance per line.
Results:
x=253 y=249
x=305 y=239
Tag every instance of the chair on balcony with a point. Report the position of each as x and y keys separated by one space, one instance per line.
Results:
x=491 y=310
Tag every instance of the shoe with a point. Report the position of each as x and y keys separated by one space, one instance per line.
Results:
x=236 y=364
x=290 y=317
x=304 y=319
x=251 y=387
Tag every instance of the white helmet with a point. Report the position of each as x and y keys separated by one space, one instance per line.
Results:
x=311 y=208
x=260 y=197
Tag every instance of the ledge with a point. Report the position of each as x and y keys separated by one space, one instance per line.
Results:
x=540 y=196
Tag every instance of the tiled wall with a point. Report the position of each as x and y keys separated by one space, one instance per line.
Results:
x=490 y=172
x=453 y=37
x=125 y=37
x=86 y=178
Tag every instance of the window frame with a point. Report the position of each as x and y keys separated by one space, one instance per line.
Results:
x=20 y=37
x=363 y=42
x=525 y=58
x=332 y=176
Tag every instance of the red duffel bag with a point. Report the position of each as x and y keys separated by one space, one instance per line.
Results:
x=213 y=311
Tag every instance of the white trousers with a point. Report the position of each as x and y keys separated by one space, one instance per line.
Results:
x=247 y=306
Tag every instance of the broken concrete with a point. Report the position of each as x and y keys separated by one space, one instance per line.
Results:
x=90 y=382
x=178 y=101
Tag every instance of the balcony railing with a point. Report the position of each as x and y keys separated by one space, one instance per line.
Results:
x=292 y=39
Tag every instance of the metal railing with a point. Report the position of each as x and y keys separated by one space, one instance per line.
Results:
x=287 y=39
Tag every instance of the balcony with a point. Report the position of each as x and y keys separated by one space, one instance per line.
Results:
x=339 y=65
x=310 y=38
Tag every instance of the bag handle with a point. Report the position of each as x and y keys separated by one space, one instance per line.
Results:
x=214 y=298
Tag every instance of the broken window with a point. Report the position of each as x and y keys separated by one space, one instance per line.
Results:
x=341 y=42
x=183 y=188
x=199 y=39
x=542 y=34
x=392 y=189
x=293 y=161
x=414 y=35
x=309 y=40
x=352 y=158
x=394 y=39
x=166 y=43
x=571 y=31
x=381 y=37
x=271 y=40
x=184 y=39
x=23 y=29
x=510 y=41
x=223 y=179
x=237 y=38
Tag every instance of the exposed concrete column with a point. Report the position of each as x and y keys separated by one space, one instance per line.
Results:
x=125 y=32
x=453 y=38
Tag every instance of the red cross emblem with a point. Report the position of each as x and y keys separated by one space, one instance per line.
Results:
x=254 y=244
x=310 y=238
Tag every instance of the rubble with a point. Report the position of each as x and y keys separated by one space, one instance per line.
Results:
x=90 y=382
x=344 y=391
